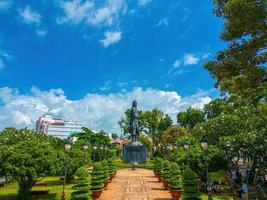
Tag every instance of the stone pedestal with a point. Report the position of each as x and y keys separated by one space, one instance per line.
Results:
x=134 y=152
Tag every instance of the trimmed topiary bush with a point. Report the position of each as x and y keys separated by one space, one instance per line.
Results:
x=155 y=161
x=166 y=171
x=190 y=185
x=158 y=166
x=175 y=181
x=105 y=167
x=97 y=181
x=111 y=166
x=82 y=185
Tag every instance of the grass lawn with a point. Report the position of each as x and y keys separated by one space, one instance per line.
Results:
x=217 y=197
x=54 y=185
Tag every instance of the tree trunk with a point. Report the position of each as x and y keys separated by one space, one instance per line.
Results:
x=25 y=187
x=6 y=179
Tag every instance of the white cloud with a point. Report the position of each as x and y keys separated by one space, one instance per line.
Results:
x=105 y=87
x=190 y=59
x=122 y=84
x=206 y=55
x=176 y=64
x=29 y=16
x=77 y=11
x=5 y=4
x=163 y=22
x=143 y=2
x=187 y=12
x=41 y=32
x=3 y=57
x=111 y=38
x=108 y=14
x=96 y=111
x=20 y=118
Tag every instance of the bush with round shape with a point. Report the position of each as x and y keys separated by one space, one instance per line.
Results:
x=190 y=185
x=97 y=181
x=82 y=185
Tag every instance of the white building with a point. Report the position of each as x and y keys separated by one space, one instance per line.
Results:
x=57 y=127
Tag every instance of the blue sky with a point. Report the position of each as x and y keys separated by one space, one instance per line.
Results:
x=85 y=51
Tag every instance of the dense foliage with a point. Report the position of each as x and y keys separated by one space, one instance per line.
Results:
x=190 y=118
x=105 y=168
x=111 y=166
x=158 y=165
x=166 y=170
x=171 y=134
x=240 y=129
x=27 y=156
x=241 y=67
x=175 y=181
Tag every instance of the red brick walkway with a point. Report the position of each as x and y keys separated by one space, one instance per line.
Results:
x=140 y=184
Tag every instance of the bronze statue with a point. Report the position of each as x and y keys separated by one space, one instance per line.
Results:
x=134 y=127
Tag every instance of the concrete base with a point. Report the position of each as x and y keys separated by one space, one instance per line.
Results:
x=134 y=152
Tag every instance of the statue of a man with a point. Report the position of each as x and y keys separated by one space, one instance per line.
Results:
x=134 y=127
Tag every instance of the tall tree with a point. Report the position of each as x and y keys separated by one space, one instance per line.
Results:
x=152 y=122
x=239 y=131
x=124 y=122
x=171 y=135
x=26 y=159
x=215 y=108
x=190 y=118
x=241 y=67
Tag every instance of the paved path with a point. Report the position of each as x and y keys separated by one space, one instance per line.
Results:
x=140 y=184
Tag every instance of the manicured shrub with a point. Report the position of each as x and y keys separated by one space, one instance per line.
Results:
x=98 y=177
x=190 y=185
x=155 y=161
x=82 y=185
x=104 y=164
x=111 y=166
x=175 y=181
x=166 y=170
x=158 y=165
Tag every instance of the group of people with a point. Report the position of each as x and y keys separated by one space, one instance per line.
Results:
x=214 y=187
x=240 y=180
